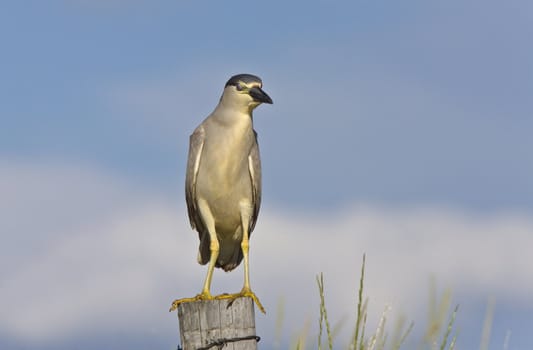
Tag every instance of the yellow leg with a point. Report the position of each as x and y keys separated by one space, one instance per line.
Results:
x=214 y=249
x=245 y=246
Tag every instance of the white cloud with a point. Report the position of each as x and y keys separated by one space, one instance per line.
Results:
x=121 y=270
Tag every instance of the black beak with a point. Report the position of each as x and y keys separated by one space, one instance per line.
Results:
x=259 y=95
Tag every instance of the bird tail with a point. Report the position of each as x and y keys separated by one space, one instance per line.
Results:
x=229 y=257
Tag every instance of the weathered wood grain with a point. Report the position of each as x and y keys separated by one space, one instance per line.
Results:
x=204 y=322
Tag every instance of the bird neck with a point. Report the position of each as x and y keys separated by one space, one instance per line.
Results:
x=228 y=112
x=229 y=102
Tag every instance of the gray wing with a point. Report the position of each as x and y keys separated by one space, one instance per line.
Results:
x=196 y=144
x=254 y=165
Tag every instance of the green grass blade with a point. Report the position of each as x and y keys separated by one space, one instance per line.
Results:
x=323 y=314
x=359 y=304
x=449 y=328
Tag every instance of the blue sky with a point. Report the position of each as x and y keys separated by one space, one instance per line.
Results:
x=400 y=125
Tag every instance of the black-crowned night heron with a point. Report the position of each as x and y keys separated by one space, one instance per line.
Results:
x=223 y=183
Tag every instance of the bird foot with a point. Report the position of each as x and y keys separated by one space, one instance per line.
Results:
x=201 y=296
x=245 y=292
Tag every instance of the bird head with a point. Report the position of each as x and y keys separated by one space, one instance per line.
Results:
x=245 y=91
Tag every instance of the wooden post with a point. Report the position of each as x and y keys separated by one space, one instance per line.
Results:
x=211 y=324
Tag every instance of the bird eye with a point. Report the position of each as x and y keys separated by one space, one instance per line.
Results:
x=239 y=87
